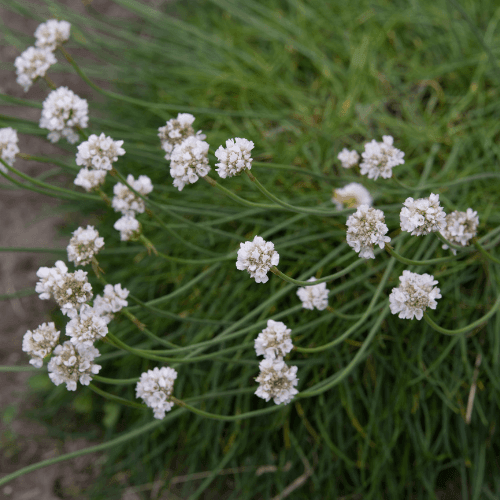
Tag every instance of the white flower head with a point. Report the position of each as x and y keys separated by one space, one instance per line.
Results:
x=70 y=364
x=348 y=158
x=99 y=152
x=177 y=130
x=129 y=228
x=87 y=327
x=379 y=158
x=277 y=381
x=234 y=158
x=315 y=296
x=257 y=257
x=352 y=195
x=84 y=244
x=52 y=33
x=31 y=64
x=155 y=388
x=189 y=161
x=8 y=147
x=460 y=227
x=414 y=295
x=422 y=216
x=40 y=343
x=90 y=179
x=365 y=229
x=62 y=112
x=274 y=341
x=125 y=200
x=113 y=301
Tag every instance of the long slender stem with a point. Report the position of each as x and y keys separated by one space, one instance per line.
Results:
x=484 y=252
x=404 y=260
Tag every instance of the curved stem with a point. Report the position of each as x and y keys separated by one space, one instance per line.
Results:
x=410 y=262
x=115 y=381
x=117 y=399
x=484 y=252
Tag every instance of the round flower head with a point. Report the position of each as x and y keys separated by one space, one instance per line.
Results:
x=274 y=341
x=257 y=257
x=31 y=64
x=87 y=327
x=460 y=227
x=348 y=158
x=125 y=200
x=52 y=33
x=90 y=179
x=365 y=229
x=422 y=216
x=314 y=296
x=352 y=195
x=379 y=158
x=84 y=244
x=189 y=161
x=62 y=112
x=177 y=130
x=234 y=158
x=99 y=152
x=112 y=302
x=8 y=147
x=277 y=381
x=40 y=343
x=129 y=228
x=414 y=295
x=50 y=278
x=70 y=364
x=155 y=388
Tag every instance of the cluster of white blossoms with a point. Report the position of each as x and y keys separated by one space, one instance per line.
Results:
x=379 y=158
x=347 y=158
x=70 y=364
x=87 y=327
x=40 y=342
x=315 y=296
x=52 y=34
x=126 y=201
x=276 y=380
x=62 y=112
x=99 y=152
x=414 y=295
x=365 y=229
x=129 y=227
x=175 y=131
x=31 y=64
x=460 y=227
x=352 y=195
x=113 y=300
x=155 y=388
x=90 y=179
x=8 y=147
x=189 y=162
x=422 y=216
x=257 y=257
x=274 y=341
x=83 y=245
x=234 y=158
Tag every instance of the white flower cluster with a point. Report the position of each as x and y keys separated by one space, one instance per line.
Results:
x=83 y=245
x=62 y=112
x=460 y=227
x=422 y=216
x=127 y=202
x=52 y=33
x=90 y=179
x=414 y=295
x=379 y=158
x=8 y=147
x=31 y=64
x=70 y=364
x=99 y=152
x=257 y=257
x=129 y=227
x=155 y=388
x=113 y=301
x=315 y=296
x=39 y=343
x=274 y=341
x=347 y=158
x=352 y=195
x=276 y=380
x=176 y=131
x=87 y=327
x=365 y=229
x=189 y=161
x=234 y=158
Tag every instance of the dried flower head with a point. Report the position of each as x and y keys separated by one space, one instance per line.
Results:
x=352 y=195
x=257 y=257
x=40 y=343
x=129 y=228
x=234 y=158
x=8 y=147
x=52 y=33
x=90 y=179
x=71 y=364
x=422 y=216
x=379 y=158
x=99 y=152
x=87 y=327
x=277 y=381
x=274 y=341
x=155 y=388
x=177 y=130
x=348 y=158
x=365 y=229
x=84 y=244
x=189 y=161
x=314 y=296
x=126 y=201
x=32 y=64
x=113 y=301
x=460 y=227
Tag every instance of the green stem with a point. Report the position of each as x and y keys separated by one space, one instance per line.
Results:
x=12 y=369
x=410 y=262
x=484 y=252
x=452 y=245
x=117 y=399
x=115 y=381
